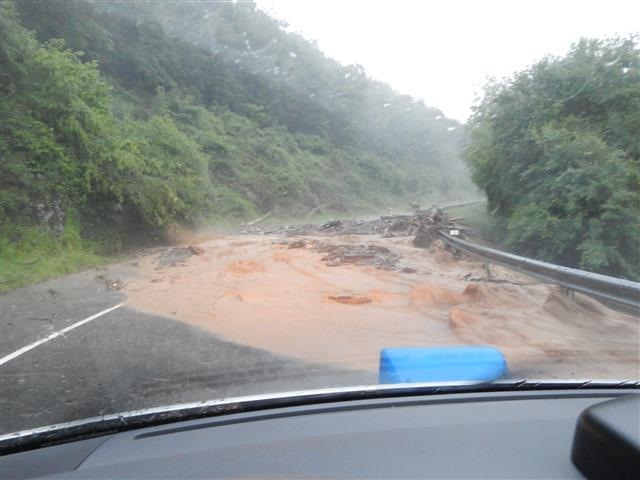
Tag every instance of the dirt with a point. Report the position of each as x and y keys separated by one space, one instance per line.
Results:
x=338 y=298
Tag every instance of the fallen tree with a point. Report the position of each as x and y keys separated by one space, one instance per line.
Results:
x=430 y=222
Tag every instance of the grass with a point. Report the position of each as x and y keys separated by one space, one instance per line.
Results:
x=32 y=255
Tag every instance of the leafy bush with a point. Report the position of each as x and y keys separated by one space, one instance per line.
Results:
x=556 y=150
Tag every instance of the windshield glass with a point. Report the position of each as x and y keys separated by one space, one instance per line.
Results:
x=204 y=200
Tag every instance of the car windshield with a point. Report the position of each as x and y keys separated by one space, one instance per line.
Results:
x=208 y=199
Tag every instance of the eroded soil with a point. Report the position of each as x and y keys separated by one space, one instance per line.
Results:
x=338 y=299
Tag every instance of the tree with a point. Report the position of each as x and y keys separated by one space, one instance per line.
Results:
x=556 y=150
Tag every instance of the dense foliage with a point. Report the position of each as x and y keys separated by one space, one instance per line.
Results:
x=262 y=119
x=557 y=150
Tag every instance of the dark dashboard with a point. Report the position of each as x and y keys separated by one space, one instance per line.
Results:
x=464 y=435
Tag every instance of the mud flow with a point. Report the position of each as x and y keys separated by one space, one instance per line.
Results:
x=338 y=298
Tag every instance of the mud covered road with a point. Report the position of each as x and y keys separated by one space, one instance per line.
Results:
x=282 y=309
x=339 y=299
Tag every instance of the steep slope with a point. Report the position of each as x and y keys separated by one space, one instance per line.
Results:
x=125 y=119
x=235 y=56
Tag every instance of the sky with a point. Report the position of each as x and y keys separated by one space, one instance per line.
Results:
x=444 y=51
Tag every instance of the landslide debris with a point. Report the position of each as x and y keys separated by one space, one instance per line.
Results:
x=424 y=225
x=345 y=254
x=177 y=255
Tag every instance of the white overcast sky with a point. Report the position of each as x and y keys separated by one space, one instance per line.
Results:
x=443 y=51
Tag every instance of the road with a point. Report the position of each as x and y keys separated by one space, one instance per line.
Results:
x=252 y=314
x=125 y=359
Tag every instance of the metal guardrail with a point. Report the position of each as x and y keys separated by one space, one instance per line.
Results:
x=616 y=291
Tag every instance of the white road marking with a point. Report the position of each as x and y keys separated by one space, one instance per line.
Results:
x=33 y=345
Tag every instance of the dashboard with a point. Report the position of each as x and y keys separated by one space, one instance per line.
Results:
x=480 y=435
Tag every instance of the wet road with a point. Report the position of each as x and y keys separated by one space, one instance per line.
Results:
x=253 y=315
x=124 y=359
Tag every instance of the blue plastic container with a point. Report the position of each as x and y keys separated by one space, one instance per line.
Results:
x=441 y=364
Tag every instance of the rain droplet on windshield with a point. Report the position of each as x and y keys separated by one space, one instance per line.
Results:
x=292 y=55
x=451 y=129
x=386 y=105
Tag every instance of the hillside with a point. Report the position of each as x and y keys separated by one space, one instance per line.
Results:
x=128 y=119
x=322 y=133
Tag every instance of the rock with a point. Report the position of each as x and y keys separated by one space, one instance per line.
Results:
x=196 y=250
x=111 y=284
x=474 y=293
x=355 y=299
x=332 y=224
x=298 y=244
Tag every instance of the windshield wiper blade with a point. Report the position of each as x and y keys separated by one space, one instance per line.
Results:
x=117 y=422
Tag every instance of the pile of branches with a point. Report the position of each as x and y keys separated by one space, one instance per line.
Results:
x=423 y=224
x=426 y=224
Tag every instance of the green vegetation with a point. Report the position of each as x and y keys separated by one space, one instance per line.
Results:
x=37 y=255
x=143 y=116
x=556 y=148
x=483 y=226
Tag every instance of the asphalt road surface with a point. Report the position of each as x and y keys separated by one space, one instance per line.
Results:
x=123 y=359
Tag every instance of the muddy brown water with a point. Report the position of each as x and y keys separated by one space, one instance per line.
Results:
x=259 y=292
